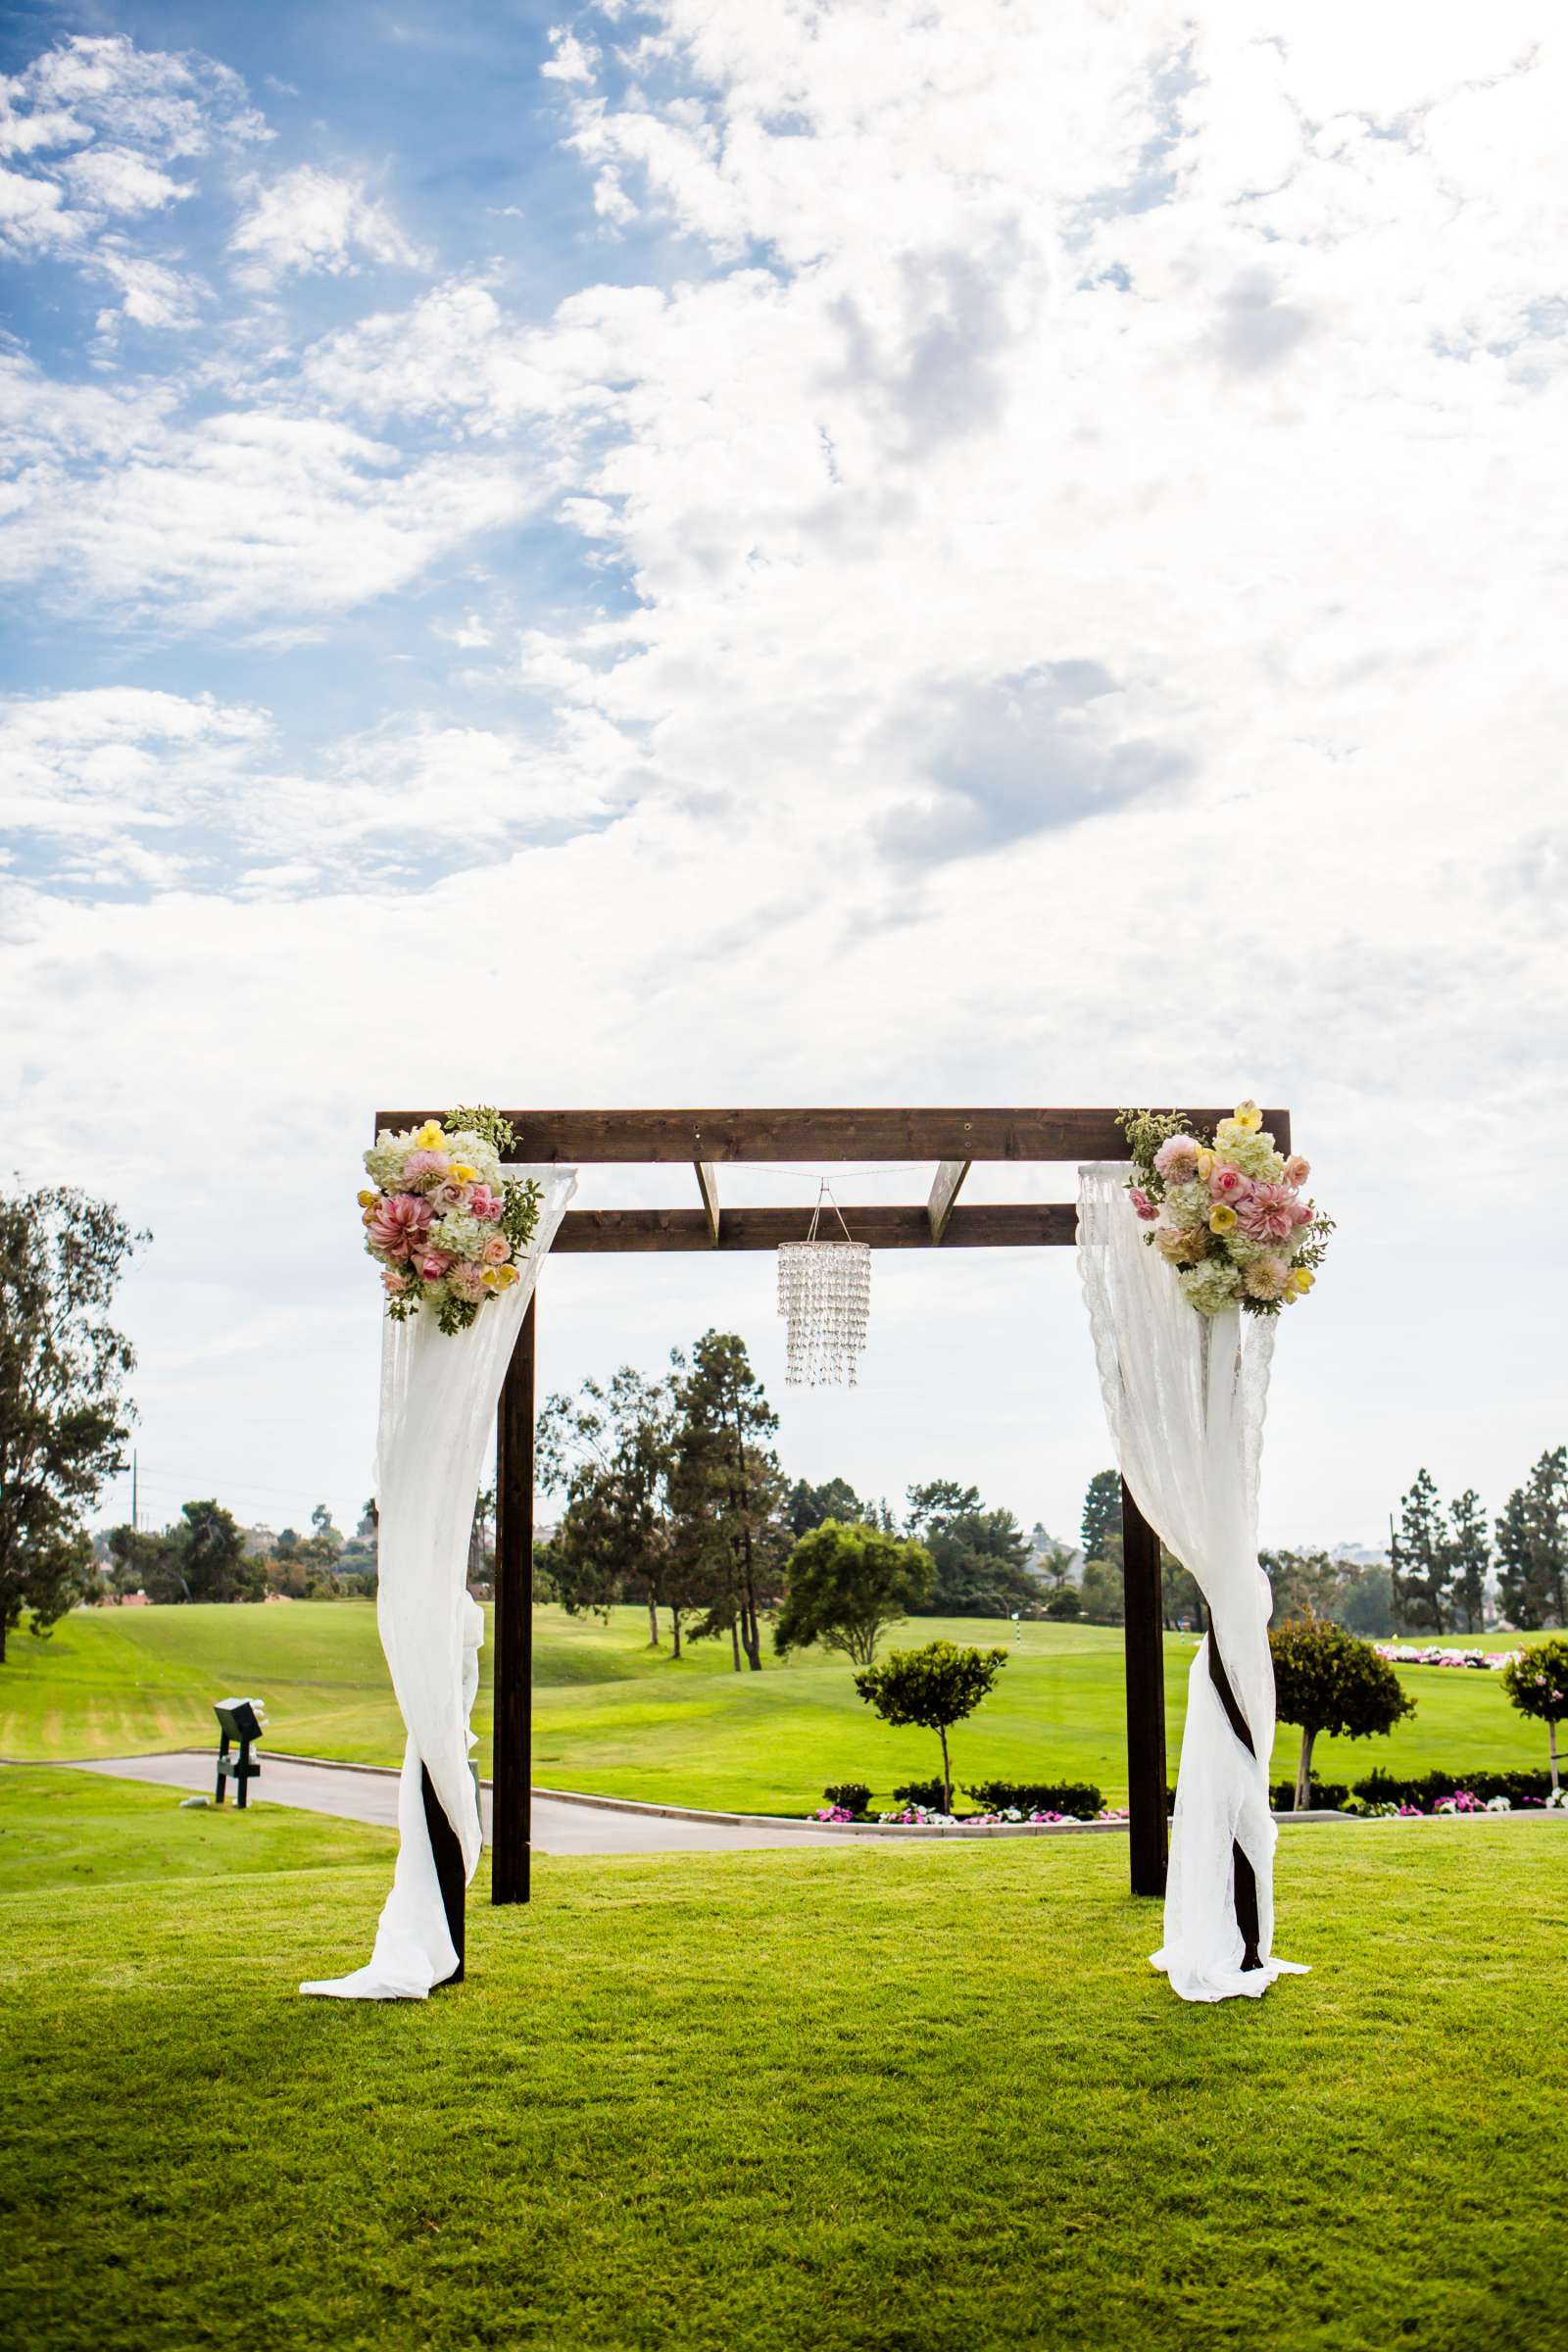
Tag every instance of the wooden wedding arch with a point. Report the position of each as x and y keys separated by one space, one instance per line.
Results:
x=707 y=1141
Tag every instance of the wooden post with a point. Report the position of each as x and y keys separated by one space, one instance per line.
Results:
x=1144 y=1644
x=511 y=1750
x=447 y=1847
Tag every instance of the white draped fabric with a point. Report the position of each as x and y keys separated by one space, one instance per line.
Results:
x=439 y=1393
x=1184 y=1396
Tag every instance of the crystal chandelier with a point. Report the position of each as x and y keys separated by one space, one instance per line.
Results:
x=824 y=1294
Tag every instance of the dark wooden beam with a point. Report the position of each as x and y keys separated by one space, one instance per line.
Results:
x=586 y=1138
x=944 y=1192
x=511 y=1748
x=1023 y=1225
x=1143 y=1647
x=708 y=1186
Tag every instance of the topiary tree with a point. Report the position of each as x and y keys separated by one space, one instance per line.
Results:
x=1536 y=1681
x=934 y=1687
x=845 y=1586
x=1326 y=1680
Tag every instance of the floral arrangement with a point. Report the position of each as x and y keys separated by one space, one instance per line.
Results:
x=443 y=1223
x=1226 y=1212
x=924 y=1816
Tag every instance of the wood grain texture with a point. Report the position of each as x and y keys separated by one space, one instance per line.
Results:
x=708 y=1186
x=586 y=1138
x=1021 y=1225
x=950 y=1177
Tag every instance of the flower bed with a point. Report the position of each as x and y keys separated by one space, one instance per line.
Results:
x=926 y=1817
x=1408 y=1653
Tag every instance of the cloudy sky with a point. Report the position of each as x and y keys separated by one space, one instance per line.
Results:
x=859 y=552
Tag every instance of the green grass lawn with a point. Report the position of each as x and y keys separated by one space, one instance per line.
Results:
x=922 y=2100
x=616 y=1719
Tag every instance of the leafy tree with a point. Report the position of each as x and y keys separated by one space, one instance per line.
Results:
x=1103 y=1593
x=1181 y=1597
x=1100 y=1532
x=1537 y=1682
x=807 y=1506
x=980 y=1555
x=1303 y=1583
x=322 y=1527
x=202 y=1556
x=1327 y=1681
x=1065 y=1604
x=1533 y=1547
x=612 y=1450
x=1423 y=1558
x=845 y=1586
x=1366 y=1601
x=1470 y=1558
x=63 y=1413
x=935 y=1688
x=727 y=1489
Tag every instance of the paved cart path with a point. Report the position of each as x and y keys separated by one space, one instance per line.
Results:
x=558 y=1828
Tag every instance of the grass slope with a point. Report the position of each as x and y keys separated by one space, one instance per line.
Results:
x=915 y=2101
x=613 y=1718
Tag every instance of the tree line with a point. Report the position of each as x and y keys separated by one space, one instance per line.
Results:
x=1444 y=1557
x=675 y=1501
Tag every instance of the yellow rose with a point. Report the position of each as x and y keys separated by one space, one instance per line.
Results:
x=1249 y=1118
x=1221 y=1219
x=368 y=1200
x=1206 y=1163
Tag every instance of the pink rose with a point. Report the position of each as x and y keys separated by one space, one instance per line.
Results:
x=1297 y=1169
x=1142 y=1203
x=434 y=1264
x=1228 y=1184
x=497 y=1249
x=398 y=1225
x=1300 y=1212
x=1177 y=1159
x=1267 y=1212
x=486 y=1203
x=448 y=1194
x=394 y=1283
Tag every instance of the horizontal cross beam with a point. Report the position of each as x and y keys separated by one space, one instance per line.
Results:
x=1010 y=1225
x=599 y=1138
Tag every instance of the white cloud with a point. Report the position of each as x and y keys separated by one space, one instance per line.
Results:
x=308 y=220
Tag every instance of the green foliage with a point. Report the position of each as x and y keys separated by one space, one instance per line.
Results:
x=845 y=1586
x=64 y=1415
x=807 y=1506
x=1065 y=1604
x=1532 y=1546
x=855 y=1796
x=727 y=1491
x=1081 y=1798
x=979 y=1555
x=1101 y=1531
x=201 y=1557
x=1537 y=1682
x=935 y=1688
x=1326 y=1680
x=1422 y=1558
x=1103 y=1592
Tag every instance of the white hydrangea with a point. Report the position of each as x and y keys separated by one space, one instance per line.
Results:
x=460 y=1233
x=473 y=1152
x=1211 y=1286
x=383 y=1164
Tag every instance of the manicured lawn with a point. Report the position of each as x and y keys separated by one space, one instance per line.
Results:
x=616 y=1719
x=922 y=2100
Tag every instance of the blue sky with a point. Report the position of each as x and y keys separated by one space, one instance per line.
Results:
x=860 y=551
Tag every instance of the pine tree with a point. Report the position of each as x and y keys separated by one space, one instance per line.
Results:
x=1470 y=1556
x=1533 y=1547
x=728 y=1488
x=1423 y=1557
x=1100 y=1534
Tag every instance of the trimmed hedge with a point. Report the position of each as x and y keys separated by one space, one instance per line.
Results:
x=855 y=1796
x=1326 y=1796
x=1383 y=1789
x=1079 y=1797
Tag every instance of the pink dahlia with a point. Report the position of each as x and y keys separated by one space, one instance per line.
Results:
x=1143 y=1204
x=1177 y=1159
x=1229 y=1184
x=398 y=1224
x=467 y=1282
x=486 y=1203
x=1266 y=1277
x=1267 y=1212
x=420 y=1164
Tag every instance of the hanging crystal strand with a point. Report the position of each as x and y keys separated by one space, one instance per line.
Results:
x=824 y=1296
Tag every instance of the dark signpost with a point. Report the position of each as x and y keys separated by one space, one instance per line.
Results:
x=707 y=1141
